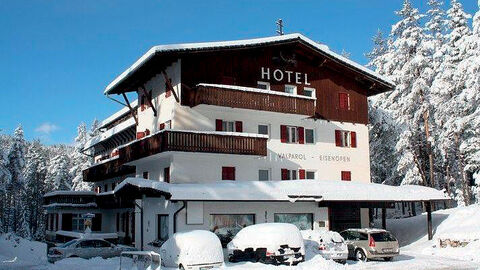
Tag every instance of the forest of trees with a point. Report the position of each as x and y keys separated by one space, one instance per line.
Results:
x=28 y=170
x=427 y=131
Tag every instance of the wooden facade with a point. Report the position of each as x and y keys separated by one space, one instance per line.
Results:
x=243 y=67
x=171 y=140
x=247 y=100
x=106 y=170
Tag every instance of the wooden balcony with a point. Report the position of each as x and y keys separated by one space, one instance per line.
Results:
x=106 y=170
x=191 y=141
x=248 y=98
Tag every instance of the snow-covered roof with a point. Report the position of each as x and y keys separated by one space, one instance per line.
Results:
x=256 y=90
x=91 y=235
x=71 y=205
x=68 y=193
x=294 y=190
x=109 y=133
x=118 y=114
x=243 y=43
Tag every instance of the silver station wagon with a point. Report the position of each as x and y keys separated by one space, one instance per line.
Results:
x=365 y=244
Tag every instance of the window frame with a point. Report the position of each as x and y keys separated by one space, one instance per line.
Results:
x=295 y=90
x=310 y=171
x=313 y=136
x=269 y=171
x=313 y=90
x=267 y=85
x=268 y=129
x=289 y=133
x=308 y=214
x=340 y=103
x=159 y=228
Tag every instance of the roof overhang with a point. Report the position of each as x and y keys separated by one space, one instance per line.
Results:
x=291 y=191
x=115 y=87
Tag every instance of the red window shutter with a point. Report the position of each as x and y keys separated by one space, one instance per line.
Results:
x=140 y=135
x=162 y=126
x=343 y=101
x=301 y=135
x=346 y=176
x=238 y=126
x=218 y=125
x=338 y=138
x=353 y=138
x=228 y=173
x=147 y=132
x=232 y=173
x=301 y=174
x=166 y=174
x=283 y=134
x=284 y=174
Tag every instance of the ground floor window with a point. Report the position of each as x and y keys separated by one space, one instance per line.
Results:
x=302 y=221
x=78 y=223
x=226 y=226
x=162 y=228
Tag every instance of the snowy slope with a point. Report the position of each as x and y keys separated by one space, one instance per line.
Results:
x=18 y=253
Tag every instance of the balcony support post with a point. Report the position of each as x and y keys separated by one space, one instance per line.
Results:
x=149 y=100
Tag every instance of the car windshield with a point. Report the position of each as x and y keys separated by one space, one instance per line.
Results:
x=69 y=243
x=383 y=237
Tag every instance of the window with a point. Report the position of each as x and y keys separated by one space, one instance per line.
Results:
x=98 y=189
x=162 y=228
x=78 y=223
x=309 y=136
x=114 y=185
x=292 y=134
x=166 y=125
x=105 y=188
x=344 y=101
x=290 y=89
x=226 y=226
x=346 y=176
x=309 y=92
x=145 y=175
x=263 y=85
x=87 y=244
x=302 y=221
x=310 y=175
x=263 y=174
x=228 y=173
x=289 y=174
x=166 y=174
x=228 y=126
x=263 y=129
x=345 y=138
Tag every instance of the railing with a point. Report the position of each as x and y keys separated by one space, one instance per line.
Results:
x=106 y=170
x=190 y=141
x=254 y=100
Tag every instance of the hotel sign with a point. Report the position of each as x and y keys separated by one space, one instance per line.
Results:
x=288 y=76
x=321 y=157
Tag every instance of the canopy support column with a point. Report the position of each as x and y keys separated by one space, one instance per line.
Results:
x=130 y=108
x=384 y=218
x=149 y=100
x=428 y=206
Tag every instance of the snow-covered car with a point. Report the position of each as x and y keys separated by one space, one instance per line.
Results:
x=271 y=243
x=365 y=244
x=197 y=249
x=328 y=244
x=86 y=248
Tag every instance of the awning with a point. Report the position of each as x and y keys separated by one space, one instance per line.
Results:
x=292 y=191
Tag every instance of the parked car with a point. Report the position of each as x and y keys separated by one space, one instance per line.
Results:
x=86 y=248
x=271 y=243
x=328 y=244
x=192 y=250
x=365 y=244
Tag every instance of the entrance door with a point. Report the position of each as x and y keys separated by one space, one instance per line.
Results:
x=344 y=217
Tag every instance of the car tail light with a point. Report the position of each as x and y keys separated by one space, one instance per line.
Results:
x=322 y=247
x=270 y=253
x=371 y=242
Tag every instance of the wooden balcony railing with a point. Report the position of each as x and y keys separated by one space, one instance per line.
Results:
x=191 y=141
x=107 y=170
x=254 y=100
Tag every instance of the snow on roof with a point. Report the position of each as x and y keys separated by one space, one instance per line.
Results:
x=294 y=190
x=68 y=193
x=71 y=205
x=118 y=114
x=109 y=133
x=241 y=43
x=257 y=90
x=90 y=235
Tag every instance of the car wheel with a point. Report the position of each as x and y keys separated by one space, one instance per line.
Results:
x=360 y=255
x=388 y=259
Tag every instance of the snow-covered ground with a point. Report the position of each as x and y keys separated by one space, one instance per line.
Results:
x=417 y=253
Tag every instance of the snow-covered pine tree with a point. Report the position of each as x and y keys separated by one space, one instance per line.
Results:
x=34 y=174
x=58 y=177
x=95 y=128
x=79 y=160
